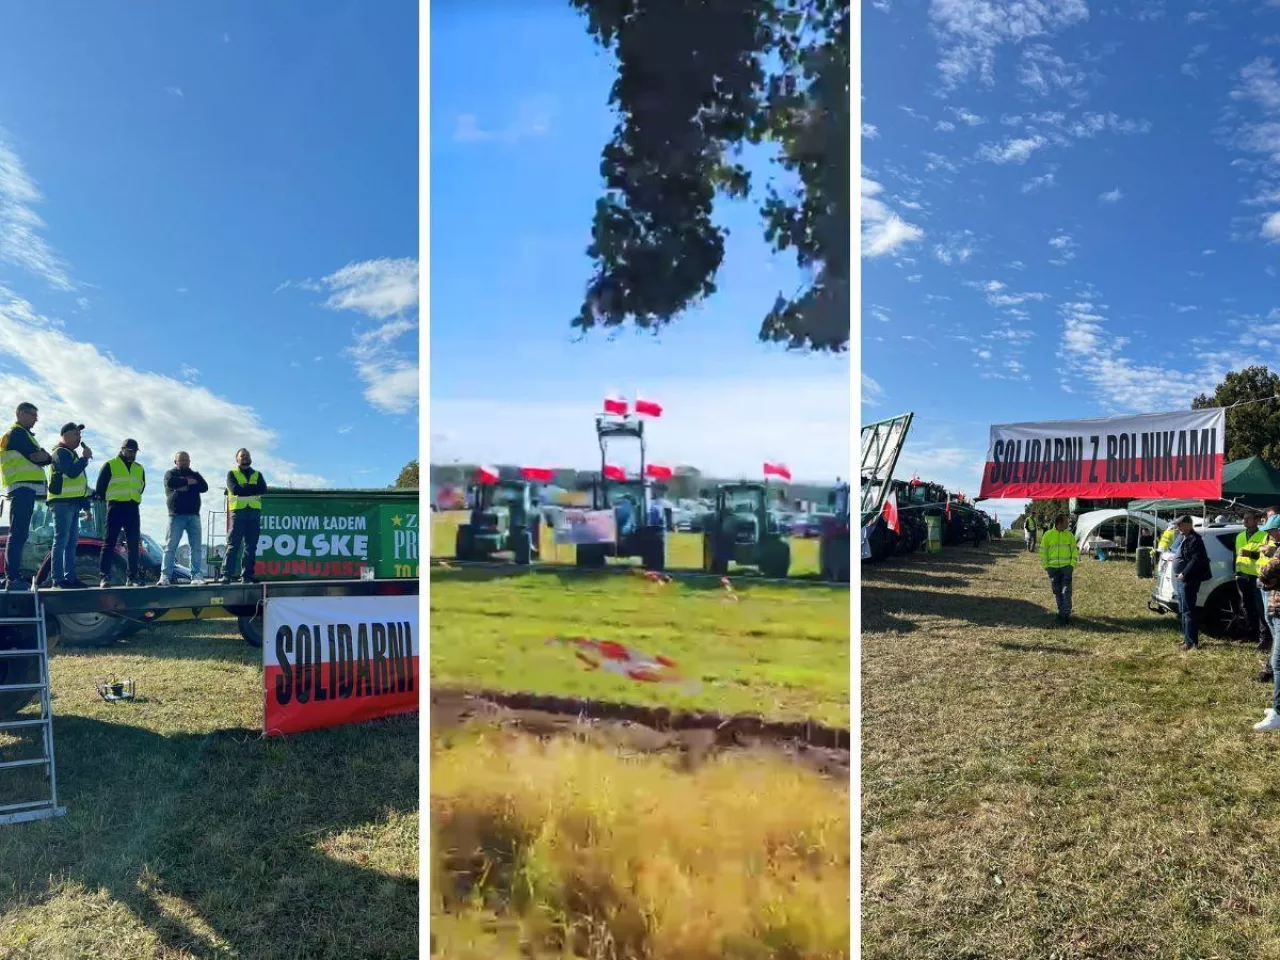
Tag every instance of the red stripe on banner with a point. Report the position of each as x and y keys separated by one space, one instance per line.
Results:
x=1136 y=478
x=331 y=699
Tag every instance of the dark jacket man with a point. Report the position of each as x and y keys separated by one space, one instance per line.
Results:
x=1190 y=570
x=183 y=498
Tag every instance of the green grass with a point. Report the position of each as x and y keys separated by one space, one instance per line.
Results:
x=562 y=849
x=684 y=550
x=189 y=835
x=781 y=651
x=1036 y=791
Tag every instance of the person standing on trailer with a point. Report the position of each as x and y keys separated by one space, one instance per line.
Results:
x=182 y=489
x=1059 y=555
x=245 y=487
x=22 y=463
x=121 y=483
x=68 y=496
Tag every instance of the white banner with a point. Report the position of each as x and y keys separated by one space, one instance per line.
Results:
x=575 y=526
x=1153 y=455
x=334 y=660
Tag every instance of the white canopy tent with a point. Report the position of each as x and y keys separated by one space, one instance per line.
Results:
x=1088 y=525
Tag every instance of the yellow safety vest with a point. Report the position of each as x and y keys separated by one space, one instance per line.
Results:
x=125 y=485
x=16 y=471
x=1247 y=548
x=1167 y=538
x=244 y=503
x=1058 y=548
x=69 y=488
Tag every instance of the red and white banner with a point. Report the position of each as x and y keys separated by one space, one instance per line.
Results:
x=486 y=475
x=578 y=526
x=648 y=408
x=615 y=405
x=335 y=660
x=538 y=474
x=1152 y=455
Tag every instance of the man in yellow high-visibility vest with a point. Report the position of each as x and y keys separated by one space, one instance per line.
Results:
x=245 y=488
x=1059 y=554
x=1248 y=546
x=22 y=466
x=121 y=483
x=68 y=496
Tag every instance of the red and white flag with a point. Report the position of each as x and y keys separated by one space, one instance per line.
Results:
x=614 y=472
x=891 y=514
x=538 y=474
x=486 y=475
x=648 y=408
x=656 y=471
x=777 y=470
x=616 y=406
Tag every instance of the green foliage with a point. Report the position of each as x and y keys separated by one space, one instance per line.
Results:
x=1252 y=430
x=408 y=476
x=698 y=81
x=1043 y=513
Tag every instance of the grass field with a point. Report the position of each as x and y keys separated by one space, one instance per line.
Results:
x=684 y=550
x=188 y=835
x=560 y=847
x=1036 y=791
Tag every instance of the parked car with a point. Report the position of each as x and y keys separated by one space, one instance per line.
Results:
x=1215 y=599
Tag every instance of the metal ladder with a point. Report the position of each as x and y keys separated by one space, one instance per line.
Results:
x=44 y=808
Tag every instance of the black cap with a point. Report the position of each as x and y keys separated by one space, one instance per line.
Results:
x=129 y=444
x=1185 y=518
x=71 y=426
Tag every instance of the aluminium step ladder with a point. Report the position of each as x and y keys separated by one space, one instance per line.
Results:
x=43 y=808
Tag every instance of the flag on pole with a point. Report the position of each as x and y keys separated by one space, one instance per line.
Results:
x=891 y=514
x=615 y=405
x=657 y=471
x=777 y=470
x=486 y=475
x=648 y=408
x=614 y=472
x=538 y=474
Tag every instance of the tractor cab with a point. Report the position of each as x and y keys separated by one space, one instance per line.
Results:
x=743 y=530
x=641 y=523
x=503 y=517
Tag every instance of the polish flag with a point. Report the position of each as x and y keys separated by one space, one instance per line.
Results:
x=656 y=471
x=615 y=405
x=538 y=474
x=777 y=470
x=486 y=475
x=614 y=472
x=947 y=512
x=890 y=512
x=648 y=408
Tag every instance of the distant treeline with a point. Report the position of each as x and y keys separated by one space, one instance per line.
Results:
x=688 y=482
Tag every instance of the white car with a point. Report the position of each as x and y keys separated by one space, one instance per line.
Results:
x=1217 y=594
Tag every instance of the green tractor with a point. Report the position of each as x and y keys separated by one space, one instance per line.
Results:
x=744 y=531
x=833 y=545
x=641 y=523
x=504 y=517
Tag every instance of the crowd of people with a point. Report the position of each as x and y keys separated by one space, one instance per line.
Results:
x=30 y=474
x=1257 y=582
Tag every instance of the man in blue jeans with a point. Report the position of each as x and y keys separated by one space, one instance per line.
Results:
x=182 y=489
x=22 y=466
x=1190 y=570
x=68 y=495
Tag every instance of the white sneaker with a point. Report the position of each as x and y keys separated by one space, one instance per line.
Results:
x=163 y=582
x=1269 y=722
x=197 y=581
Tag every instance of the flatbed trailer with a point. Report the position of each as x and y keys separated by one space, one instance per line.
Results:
x=147 y=605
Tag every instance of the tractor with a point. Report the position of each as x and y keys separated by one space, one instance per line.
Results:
x=504 y=517
x=641 y=524
x=833 y=545
x=743 y=530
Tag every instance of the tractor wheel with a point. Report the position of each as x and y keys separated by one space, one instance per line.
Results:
x=251 y=629
x=590 y=556
x=708 y=553
x=775 y=558
x=656 y=552
x=95 y=629
x=522 y=545
x=463 y=544
x=720 y=557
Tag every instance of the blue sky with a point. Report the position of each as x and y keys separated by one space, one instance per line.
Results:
x=516 y=136
x=1071 y=212
x=209 y=231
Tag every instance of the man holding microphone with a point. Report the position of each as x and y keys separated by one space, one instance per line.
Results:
x=68 y=495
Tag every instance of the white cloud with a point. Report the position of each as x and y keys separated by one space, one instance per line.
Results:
x=175 y=92
x=1066 y=248
x=189 y=372
x=870 y=131
x=1271 y=227
x=872 y=392
x=945 y=126
x=1044 y=72
x=67 y=379
x=957 y=248
x=1012 y=150
x=20 y=226
x=969 y=31
x=967 y=118
x=1111 y=196
x=1038 y=183
x=810 y=433
x=532 y=119
x=385 y=290
x=1195 y=16
x=883 y=230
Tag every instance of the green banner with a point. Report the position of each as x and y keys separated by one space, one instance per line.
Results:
x=312 y=539
x=396 y=555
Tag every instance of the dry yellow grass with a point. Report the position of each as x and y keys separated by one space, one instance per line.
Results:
x=1035 y=791
x=563 y=849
